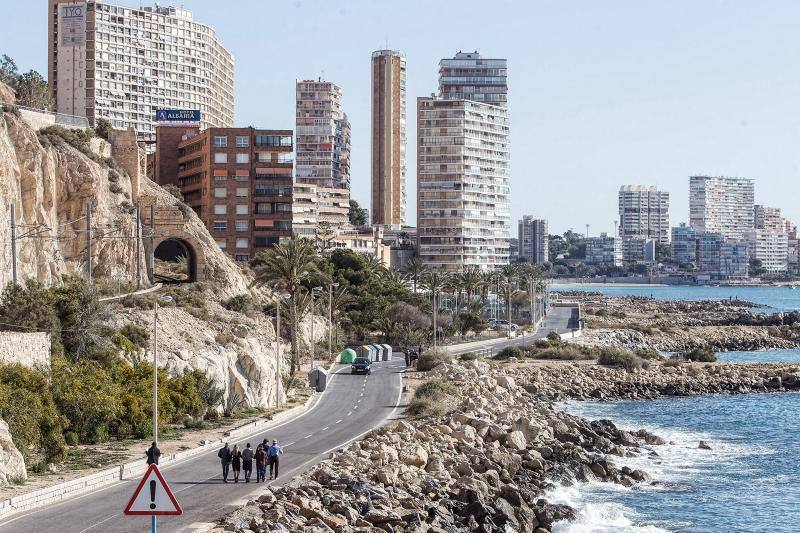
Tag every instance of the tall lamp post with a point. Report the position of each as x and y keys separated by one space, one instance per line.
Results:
x=164 y=299
x=278 y=354
x=330 y=319
x=314 y=291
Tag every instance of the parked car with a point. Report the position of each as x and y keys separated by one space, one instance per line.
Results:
x=361 y=365
x=504 y=324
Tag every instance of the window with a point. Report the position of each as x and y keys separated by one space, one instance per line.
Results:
x=242 y=158
x=242 y=225
x=220 y=141
x=242 y=141
x=264 y=157
x=220 y=209
x=220 y=225
x=221 y=177
x=285 y=157
x=242 y=258
x=242 y=177
x=242 y=209
x=220 y=192
x=220 y=157
x=242 y=243
x=242 y=192
x=222 y=243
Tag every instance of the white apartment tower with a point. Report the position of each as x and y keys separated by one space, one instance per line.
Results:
x=643 y=213
x=123 y=64
x=463 y=215
x=768 y=218
x=721 y=205
x=533 y=240
x=322 y=147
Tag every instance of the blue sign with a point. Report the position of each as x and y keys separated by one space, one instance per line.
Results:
x=177 y=115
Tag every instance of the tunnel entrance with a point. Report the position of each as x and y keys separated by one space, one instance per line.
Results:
x=174 y=261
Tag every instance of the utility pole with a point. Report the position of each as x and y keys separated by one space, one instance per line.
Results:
x=138 y=247
x=330 y=320
x=153 y=241
x=89 y=243
x=13 y=245
x=435 y=333
x=587 y=231
x=278 y=351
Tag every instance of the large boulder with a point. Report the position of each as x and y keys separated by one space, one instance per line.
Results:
x=12 y=464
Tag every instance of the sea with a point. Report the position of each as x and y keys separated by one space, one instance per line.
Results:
x=749 y=479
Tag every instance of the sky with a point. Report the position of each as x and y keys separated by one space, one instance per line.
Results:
x=601 y=94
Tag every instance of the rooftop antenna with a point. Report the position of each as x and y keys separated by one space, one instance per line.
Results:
x=386 y=36
x=587 y=231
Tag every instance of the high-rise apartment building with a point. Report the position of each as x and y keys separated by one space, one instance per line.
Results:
x=533 y=240
x=323 y=147
x=238 y=180
x=708 y=249
x=468 y=76
x=734 y=260
x=123 y=64
x=463 y=213
x=388 y=138
x=768 y=218
x=643 y=213
x=684 y=244
x=721 y=205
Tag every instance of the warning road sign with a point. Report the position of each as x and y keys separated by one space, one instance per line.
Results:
x=152 y=496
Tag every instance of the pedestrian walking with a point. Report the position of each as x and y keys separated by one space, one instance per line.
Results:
x=274 y=454
x=225 y=457
x=261 y=464
x=247 y=462
x=236 y=462
x=153 y=453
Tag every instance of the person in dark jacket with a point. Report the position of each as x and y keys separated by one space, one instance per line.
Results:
x=153 y=453
x=225 y=457
x=236 y=462
x=261 y=464
x=247 y=462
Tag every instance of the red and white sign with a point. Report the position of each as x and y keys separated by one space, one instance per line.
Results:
x=152 y=496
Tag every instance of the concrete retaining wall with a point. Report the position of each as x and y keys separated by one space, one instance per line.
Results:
x=29 y=349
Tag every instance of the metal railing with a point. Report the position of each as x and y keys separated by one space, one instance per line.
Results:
x=62 y=119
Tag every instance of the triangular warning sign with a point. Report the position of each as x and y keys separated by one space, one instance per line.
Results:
x=152 y=496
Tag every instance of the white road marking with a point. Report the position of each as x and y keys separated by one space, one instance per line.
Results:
x=308 y=436
x=325 y=428
x=350 y=413
x=98 y=523
x=287 y=445
x=339 y=421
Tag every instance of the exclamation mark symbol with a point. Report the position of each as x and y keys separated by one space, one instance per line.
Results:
x=153 y=494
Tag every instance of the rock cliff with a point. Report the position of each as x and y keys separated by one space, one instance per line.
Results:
x=51 y=178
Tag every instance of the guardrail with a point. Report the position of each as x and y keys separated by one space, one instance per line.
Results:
x=62 y=119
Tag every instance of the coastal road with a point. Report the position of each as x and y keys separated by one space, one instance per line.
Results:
x=558 y=319
x=352 y=406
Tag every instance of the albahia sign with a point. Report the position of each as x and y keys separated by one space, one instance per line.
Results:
x=177 y=115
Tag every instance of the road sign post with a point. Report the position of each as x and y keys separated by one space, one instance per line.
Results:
x=153 y=497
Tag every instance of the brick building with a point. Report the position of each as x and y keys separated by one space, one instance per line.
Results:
x=238 y=180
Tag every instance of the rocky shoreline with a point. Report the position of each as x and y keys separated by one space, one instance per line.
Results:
x=680 y=326
x=488 y=462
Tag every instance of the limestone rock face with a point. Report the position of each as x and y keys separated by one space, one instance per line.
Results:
x=12 y=465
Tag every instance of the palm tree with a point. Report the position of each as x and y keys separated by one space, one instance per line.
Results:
x=374 y=267
x=434 y=281
x=340 y=302
x=508 y=286
x=416 y=270
x=471 y=281
x=530 y=275
x=395 y=277
x=284 y=267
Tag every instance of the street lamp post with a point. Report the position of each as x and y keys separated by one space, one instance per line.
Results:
x=313 y=345
x=164 y=299
x=435 y=332
x=330 y=319
x=278 y=354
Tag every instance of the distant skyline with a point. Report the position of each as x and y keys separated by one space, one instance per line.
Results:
x=601 y=94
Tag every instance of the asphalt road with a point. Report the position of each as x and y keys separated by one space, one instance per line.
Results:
x=352 y=405
x=557 y=319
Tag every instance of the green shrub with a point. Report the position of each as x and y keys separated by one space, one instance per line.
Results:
x=429 y=399
x=103 y=128
x=617 y=357
x=672 y=361
x=241 y=303
x=432 y=358
x=509 y=352
x=436 y=388
x=469 y=356
x=224 y=339
x=115 y=188
x=704 y=354
x=541 y=343
x=648 y=353
x=138 y=336
x=71 y=438
x=568 y=352
x=553 y=336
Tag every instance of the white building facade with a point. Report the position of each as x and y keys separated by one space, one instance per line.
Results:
x=533 y=243
x=721 y=205
x=771 y=248
x=123 y=64
x=604 y=251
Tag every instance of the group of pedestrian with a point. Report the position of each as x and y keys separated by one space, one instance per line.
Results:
x=265 y=455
